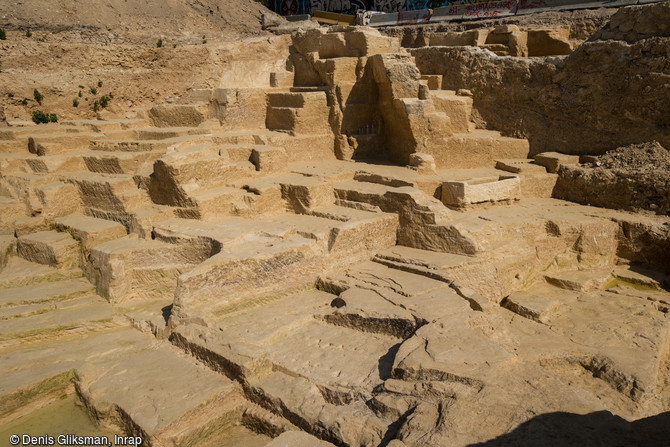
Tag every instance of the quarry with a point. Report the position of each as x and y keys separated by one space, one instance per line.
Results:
x=299 y=235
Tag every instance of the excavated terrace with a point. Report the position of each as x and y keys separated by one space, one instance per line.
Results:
x=346 y=254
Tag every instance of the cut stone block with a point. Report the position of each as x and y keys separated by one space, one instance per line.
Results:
x=470 y=192
x=49 y=248
x=269 y=159
x=553 y=160
x=583 y=280
x=434 y=82
x=457 y=108
x=89 y=230
x=535 y=307
x=520 y=166
x=281 y=79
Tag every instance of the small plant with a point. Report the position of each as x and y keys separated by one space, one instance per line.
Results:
x=80 y=94
x=174 y=45
x=81 y=87
x=96 y=106
x=25 y=101
x=86 y=99
x=104 y=101
x=204 y=41
x=93 y=90
x=40 y=117
x=159 y=44
x=75 y=103
x=99 y=83
x=111 y=95
x=3 y=34
x=38 y=96
x=28 y=33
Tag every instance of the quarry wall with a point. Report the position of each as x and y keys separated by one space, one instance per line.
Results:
x=550 y=100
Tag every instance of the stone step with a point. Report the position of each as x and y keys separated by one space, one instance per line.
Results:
x=212 y=204
x=61 y=143
x=120 y=162
x=121 y=142
x=46 y=292
x=434 y=82
x=457 y=108
x=128 y=268
x=23 y=133
x=553 y=160
x=157 y=133
x=85 y=313
x=89 y=231
x=315 y=99
x=18 y=273
x=18 y=146
x=300 y=121
x=520 y=166
x=198 y=399
x=12 y=163
x=49 y=248
x=56 y=164
x=497 y=48
x=581 y=280
x=538 y=302
x=11 y=210
x=109 y=192
x=478 y=149
x=178 y=115
x=104 y=126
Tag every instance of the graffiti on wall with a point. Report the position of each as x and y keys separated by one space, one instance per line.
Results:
x=339 y=6
x=390 y=5
x=287 y=7
x=414 y=5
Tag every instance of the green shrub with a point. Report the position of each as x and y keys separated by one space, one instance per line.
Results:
x=75 y=103
x=99 y=83
x=40 y=117
x=159 y=44
x=25 y=101
x=80 y=94
x=174 y=45
x=3 y=34
x=81 y=87
x=111 y=95
x=29 y=34
x=38 y=96
x=104 y=101
x=93 y=90
x=96 y=106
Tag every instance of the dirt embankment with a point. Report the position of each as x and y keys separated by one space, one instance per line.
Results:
x=72 y=48
x=115 y=21
x=634 y=177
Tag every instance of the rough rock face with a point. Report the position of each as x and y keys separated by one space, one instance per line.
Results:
x=636 y=23
x=630 y=178
x=548 y=101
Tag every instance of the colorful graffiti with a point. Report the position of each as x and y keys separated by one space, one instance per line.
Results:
x=339 y=6
x=389 y=5
x=414 y=5
x=287 y=7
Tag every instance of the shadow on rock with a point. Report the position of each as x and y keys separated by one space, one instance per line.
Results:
x=595 y=429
